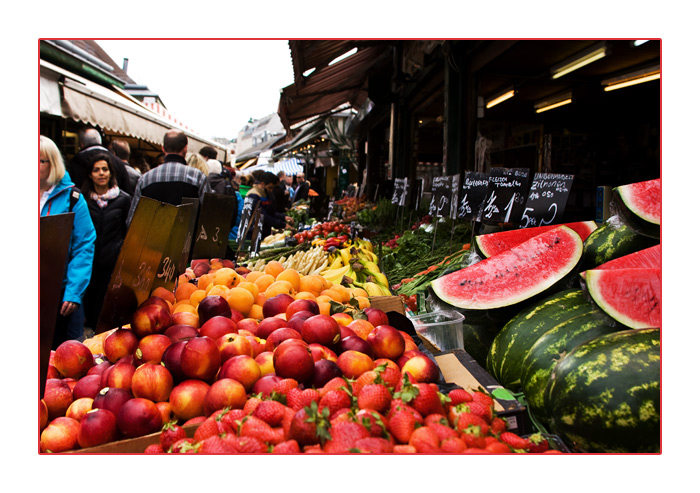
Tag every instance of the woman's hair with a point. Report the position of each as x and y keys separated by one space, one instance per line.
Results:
x=197 y=161
x=88 y=185
x=48 y=149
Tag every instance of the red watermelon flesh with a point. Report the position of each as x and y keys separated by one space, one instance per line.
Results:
x=649 y=258
x=513 y=275
x=494 y=243
x=630 y=296
x=643 y=199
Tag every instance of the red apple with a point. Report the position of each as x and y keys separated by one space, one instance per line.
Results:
x=151 y=348
x=88 y=386
x=201 y=267
x=155 y=300
x=200 y=358
x=225 y=392
x=97 y=426
x=118 y=375
x=99 y=368
x=152 y=381
x=297 y=320
x=181 y=332
x=324 y=371
x=138 y=417
x=73 y=359
x=387 y=342
x=212 y=306
x=150 y=319
x=423 y=369
x=355 y=343
x=293 y=359
x=233 y=345
x=112 y=399
x=302 y=305
x=266 y=384
x=322 y=329
x=218 y=326
x=57 y=396
x=269 y=325
x=171 y=360
x=187 y=399
x=60 y=435
x=376 y=317
x=236 y=316
x=319 y=351
x=243 y=368
x=279 y=335
x=277 y=304
x=122 y=342
x=186 y=318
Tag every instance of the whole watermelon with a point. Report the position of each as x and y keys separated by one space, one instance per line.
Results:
x=604 y=396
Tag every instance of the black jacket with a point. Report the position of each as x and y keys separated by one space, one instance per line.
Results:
x=302 y=193
x=77 y=168
x=110 y=226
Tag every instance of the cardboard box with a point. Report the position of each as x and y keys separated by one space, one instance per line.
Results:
x=459 y=368
x=130 y=445
x=388 y=304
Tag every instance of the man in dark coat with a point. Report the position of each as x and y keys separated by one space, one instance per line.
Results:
x=120 y=148
x=302 y=191
x=90 y=142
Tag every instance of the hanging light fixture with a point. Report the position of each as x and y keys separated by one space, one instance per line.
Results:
x=509 y=93
x=581 y=59
x=632 y=78
x=552 y=102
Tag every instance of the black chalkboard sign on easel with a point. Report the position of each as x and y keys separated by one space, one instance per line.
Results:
x=505 y=196
x=473 y=193
x=211 y=234
x=441 y=198
x=547 y=199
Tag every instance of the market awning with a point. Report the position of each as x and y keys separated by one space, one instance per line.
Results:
x=85 y=101
x=290 y=166
x=329 y=87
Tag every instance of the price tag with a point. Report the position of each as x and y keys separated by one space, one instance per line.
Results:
x=400 y=191
x=441 y=198
x=505 y=195
x=454 y=198
x=473 y=193
x=176 y=251
x=546 y=200
x=214 y=225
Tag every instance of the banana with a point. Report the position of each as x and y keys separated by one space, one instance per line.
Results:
x=373 y=289
x=332 y=273
x=345 y=255
x=368 y=255
x=337 y=276
x=336 y=263
x=378 y=278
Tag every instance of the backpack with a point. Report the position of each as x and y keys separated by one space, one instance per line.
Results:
x=73 y=199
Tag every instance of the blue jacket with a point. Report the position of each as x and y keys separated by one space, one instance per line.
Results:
x=82 y=240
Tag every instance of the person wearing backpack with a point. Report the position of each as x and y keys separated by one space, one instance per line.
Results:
x=58 y=195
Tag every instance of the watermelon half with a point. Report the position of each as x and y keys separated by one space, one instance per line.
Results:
x=647 y=258
x=639 y=206
x=491 y=244
x=630 y=296
x=514 y=275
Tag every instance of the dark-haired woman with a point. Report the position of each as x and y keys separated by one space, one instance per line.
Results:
x=109 y=207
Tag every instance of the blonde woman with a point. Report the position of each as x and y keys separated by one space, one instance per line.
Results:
x=196 y=161
x=55 y=190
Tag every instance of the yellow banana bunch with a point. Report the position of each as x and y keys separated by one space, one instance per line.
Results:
x=374 y=289
x=336 y=275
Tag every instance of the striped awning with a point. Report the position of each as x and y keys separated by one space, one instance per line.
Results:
x=290 y=166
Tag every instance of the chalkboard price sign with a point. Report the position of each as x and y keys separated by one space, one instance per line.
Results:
x=441 y=196
x=211 y=235
x=546 y=200
x=505 y=195
x=245 y=224
x=473 y=193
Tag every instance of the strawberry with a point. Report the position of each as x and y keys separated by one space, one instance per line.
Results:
x=467 y=419
x=215 y=445
x=483 y=398
x=185 y=446
x=154 y=448
x=498 y=425
x=170 y=434
x=513 y=441
x=480 y=409
x=452 y=445
x=313 y=449
x=425 y=440
x=428 y=400
x=374 y=396
x=284 y=386
x=404 y=449
x=458 y=396
x=272 y=412
x=436 y=418
x=391 y=377
x=402 y=424
x=308 y=426
x=335 y=383
x=443 y=431
x=298 y=399
x=286 y=447
x=211 y=426
x=497 y=448
x=232 y=419
x=366 y=378
x=343 y=436
x=342 y=414
x=194 y=421
x=251 y=404
x=376 y=423
x=373 y=445
x=256 y=427
x=537 y=443
x=473 y=438
x=247 y=445
x=399 y=405
x=335 y=400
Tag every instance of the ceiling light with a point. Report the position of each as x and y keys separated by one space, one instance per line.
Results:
x=553 y=102
x=639 y=42
x=596 y=52
x=499 y=99
x=309 y=72
x=343 y=56
x=632 y=78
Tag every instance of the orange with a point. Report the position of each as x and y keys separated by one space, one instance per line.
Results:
x=184 y=291
x=264 y=282
x=332 y=294
x=250 y=286
x=256 y=312
x=291 y=276
x=226 y=276
x=326 y=283
x=217 y=290
x=274 y=268
x=253 y=275
x=342 y=291
x=361 y=327
x=362 y=302
x=304 y=295
x=197 y=296
x=204 y=280
x=185 y=307
x=164 y=293
x=279 y=287
x=240 y=299
x=312 y=284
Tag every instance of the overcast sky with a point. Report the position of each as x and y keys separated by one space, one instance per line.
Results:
x=212 y=86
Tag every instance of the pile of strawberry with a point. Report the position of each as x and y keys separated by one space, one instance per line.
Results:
x=376 y=413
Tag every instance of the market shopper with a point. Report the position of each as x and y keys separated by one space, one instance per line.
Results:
x=58 y=195
x=108 y=206
x=197 y=161
x=121 y=149
x=245 y=183
x=173 y=180
x=280 y=195
x=90 y=142
x=302 y=191
x=261 y=193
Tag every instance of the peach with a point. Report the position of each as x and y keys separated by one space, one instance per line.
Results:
x=152 y=347
x=343 y=318
x=354 y=363
x=58 y=397
x=218 y=326
x=122 y=342
x=187 y=399
x=60 y=435
x=233 y=345
x=73 y=359
x=387 y=342
x=152 y=381
x=97 y=426
x=139 y=417
x=79 y=407
x=243 y=368
x=224 y=393
x=150 y=319
x=186 y=318
x=422 y=368
x=200 y=358
x=292 y=358
x=265 y=362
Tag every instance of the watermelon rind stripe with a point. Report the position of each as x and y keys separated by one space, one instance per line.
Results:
x=642 y=292
x=610 y=241
x=627 y=194
x=604 y=396
x=538 y=253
